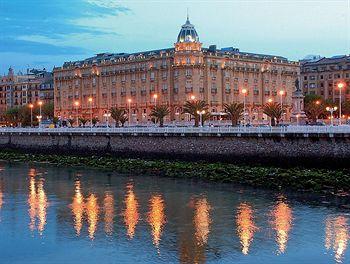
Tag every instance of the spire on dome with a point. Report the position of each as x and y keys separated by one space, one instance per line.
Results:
x=188 y=33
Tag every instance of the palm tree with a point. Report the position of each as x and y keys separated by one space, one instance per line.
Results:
x=123 y=119
x=234 y=111
x=193 y=108
x=94 y=121
x=314 y=109
x=83 y=121
x=117 y=114
x=159 y=112
x=274 y=111
x=71 y=121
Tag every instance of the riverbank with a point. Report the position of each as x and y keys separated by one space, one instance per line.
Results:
x=336 y=182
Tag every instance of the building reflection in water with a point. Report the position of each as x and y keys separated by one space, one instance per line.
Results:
x=281 y=223
x=37 y=202
x=131 y=214
x=77 y=207
x=1 y=194
x=92 y=211
x=337 y=236
x=108 y=206
x=202 y=221
x=245 y=226
x=156 y=217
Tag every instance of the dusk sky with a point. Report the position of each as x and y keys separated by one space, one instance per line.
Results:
x=42 y=33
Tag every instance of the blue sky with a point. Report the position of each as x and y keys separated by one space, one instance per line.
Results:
x=43 y=33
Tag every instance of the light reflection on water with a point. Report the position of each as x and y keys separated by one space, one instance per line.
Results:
x=131 y=214
x=186 y=223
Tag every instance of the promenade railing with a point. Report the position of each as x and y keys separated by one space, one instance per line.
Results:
x=186 y=130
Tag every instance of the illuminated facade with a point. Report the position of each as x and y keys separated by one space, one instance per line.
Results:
x=322 y=76
x=22 y=89
x=171 y=76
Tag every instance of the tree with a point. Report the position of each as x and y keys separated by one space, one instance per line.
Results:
x=123 y=119
x=193 y=107
x=234 y=111
x=94 y=121
x=314 y=109
x=312 y=98
x=71 y=121
x=274 y=111
x=117 y=114
x=83 y=121
x=346 y=107
x=206 y=116
x=48 y=110
x=159 y=112
x=12 y=115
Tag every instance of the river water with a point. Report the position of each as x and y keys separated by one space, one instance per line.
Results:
x=64 y=215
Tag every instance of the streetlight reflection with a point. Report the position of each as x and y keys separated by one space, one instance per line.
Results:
x=282 y=223
x=131 y=214
x=156 y=217
x=245 y=226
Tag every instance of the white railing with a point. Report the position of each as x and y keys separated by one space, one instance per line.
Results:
x=187 y=130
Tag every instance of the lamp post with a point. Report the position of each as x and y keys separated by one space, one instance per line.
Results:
x=200 y=113
x=331 y=110
x=107 y=115
x=31 y=114
x=155 y=96
x=40 y=103
x=76 y=103
x=90 y=101
x=281 y=97
x=340 y=87
x=129 y=103
x=297 y=116
x=244 y=92
x=270 y=101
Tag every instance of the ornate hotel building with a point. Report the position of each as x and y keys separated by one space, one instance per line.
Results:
x=175 y=75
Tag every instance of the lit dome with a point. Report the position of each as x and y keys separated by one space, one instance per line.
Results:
x=188 y=33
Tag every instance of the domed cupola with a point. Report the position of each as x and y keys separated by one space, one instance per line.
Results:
x=187 y=33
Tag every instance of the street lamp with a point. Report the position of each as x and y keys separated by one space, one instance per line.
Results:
x=200 y=113
x=270 y=100
x=76 y=103
x=281 y=96
x=40 y=103
x=107 y=115
x=340 y=87
x=129 y=102
x=90 y=101
x=31 y=114
x=155 y=96
x=297 y=119
x=39 y=118
x=331 y=110
x=193 y=97
x=244 y=92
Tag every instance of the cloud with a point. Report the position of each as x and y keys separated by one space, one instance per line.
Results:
x=51 y=22
x=37 y=48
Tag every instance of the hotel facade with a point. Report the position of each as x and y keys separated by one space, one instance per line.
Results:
x=139 y=81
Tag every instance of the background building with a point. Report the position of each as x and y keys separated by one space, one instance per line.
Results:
x=174 y=75
x=21 y=89
x=321 y=77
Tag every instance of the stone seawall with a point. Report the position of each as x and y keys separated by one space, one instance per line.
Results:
x=317 y=149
